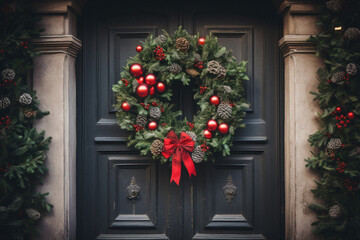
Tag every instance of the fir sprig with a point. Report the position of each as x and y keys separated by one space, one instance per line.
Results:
x=22 y=148
x=339 y=168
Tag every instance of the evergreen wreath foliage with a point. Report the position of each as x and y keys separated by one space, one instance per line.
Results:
x=180 y=57
x=337 y=144
x=22 y=148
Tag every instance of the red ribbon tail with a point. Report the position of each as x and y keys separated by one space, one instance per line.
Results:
x=176 y=167
x=189 y=164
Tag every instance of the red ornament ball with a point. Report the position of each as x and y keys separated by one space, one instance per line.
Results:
x=212 y=125
x=142 y=90
x=160 y=87
x=152 y=91
x=139 y=48
x=223 y=128
x=201 y=41
x=207 y=134
x=125 y=106
x=152 y=125
x=150 y=79
x=136 y=70
x=214 y=100
x=140 y=80
x=351 y=115
x=338 y=109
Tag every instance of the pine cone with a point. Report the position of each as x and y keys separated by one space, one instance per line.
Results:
x=192 y=135
x=192 y=72
x=198 y=57
x=141 y=120
x=8 y=74
x=175 y=68
x=182 y=44
x=155 y=112
x=334 y=143
x=227 y=89
x=198 y=155
x=25 y=99
x=156 y=147
x=352 y=34
x=33 y=214
x=351 y=69
x=335 y=212
x=338 y=77
x=222 y=72
x=215 y=68
x=4 y=102
x=334 y=5
x=30 y=113
x=160 y=39
x=224 y=110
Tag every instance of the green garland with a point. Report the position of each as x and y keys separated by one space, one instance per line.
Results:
x=182 y=57
x=22 y=148
x=337 y=143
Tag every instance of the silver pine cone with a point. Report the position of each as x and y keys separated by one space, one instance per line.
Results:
x=155 y=112
x=224 y=110
x=198 y=155
x=175 y=68
x=4 y=102
x=214 y=67
x=33 y=214
x=335 y=212
x=352 y=34
x=227 y=89
x=338 y=77
x=25 y=99
x=351 y=69
x=222 y=72
x=8 y=74
x=192 y=135
x=334 y=5
x=334 y=143
x=141 y=120
x=160 y=39
x=156 y=147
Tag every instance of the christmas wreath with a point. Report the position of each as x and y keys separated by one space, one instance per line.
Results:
x=143 y=99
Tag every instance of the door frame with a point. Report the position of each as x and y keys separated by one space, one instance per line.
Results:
x=80 y=132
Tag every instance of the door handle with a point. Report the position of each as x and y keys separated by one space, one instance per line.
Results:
x=133 y=189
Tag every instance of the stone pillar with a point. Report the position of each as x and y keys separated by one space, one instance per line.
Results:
x=54 y=80
x=301 y=66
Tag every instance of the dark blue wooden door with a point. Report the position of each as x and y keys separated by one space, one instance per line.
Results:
x=237 y=197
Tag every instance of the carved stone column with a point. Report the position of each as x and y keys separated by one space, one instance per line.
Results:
x=55 y=82
x=301 y=66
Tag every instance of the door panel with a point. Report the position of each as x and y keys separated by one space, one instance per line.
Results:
x=122 y=195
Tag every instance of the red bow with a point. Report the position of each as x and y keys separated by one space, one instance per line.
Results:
x=180 y=150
